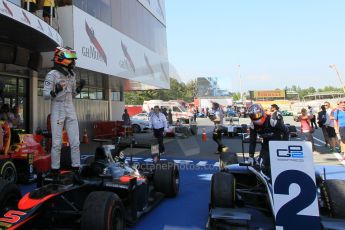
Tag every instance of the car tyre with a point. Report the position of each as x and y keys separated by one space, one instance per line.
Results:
x=167 y=178
x=8 y=171
x=103 y=210
x=9 y=196
x=136 y=128
x=333 y=192
x=222 y=190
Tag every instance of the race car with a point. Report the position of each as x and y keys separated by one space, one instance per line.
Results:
x=113 y=193
x=242 y=198
x=21 y=155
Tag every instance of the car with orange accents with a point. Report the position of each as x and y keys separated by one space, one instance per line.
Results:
x=113 y=193
x=21 y=155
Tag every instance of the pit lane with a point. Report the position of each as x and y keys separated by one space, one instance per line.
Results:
x=197 y=163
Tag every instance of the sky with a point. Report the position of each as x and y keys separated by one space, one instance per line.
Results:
x=268 y=44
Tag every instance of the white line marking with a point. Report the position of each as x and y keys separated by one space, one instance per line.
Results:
x=202 y=163
x=337 y=155
x=134 y=158
x=340 y=158
x=183 y=162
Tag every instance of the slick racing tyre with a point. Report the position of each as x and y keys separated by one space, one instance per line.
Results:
x=333 y=192
x=8 y=171
x=167 y=178
x=222 y=190
x=9 y=196
x=103 y=211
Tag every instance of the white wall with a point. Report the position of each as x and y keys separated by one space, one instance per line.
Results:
x=117 y=110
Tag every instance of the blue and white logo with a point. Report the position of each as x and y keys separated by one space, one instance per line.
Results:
x=292 y=151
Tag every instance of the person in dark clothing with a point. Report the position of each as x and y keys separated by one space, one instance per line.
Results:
x=268 y=128
x=321 y=120
x=276 y=114
x=125 y=118
x=170 y=119
x=164 y=111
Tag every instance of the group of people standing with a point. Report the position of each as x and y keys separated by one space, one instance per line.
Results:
x=330 y=120
x=48 y=7
x=11 y=116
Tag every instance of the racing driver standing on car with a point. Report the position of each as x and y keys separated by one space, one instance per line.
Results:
x=268 y=128
x=60 y=87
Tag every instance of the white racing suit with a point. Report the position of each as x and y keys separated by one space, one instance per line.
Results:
x=62 y=113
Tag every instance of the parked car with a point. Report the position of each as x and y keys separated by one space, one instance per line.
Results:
x=286 y=113
x=139 y=125
x=177 y=109
x=141 y=116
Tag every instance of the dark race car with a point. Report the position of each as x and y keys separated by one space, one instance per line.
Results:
x=114 y=193
x=242 y=198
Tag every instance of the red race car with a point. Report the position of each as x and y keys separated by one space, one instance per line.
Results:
x=21 y=155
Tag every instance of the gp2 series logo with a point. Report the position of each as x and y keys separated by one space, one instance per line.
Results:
x=292 y=151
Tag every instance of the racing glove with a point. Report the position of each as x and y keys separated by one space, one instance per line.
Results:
x=81 y=86
x=58 y=88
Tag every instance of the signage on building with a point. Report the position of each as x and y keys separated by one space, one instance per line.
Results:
x=268 y=94
x=13 y=11
x=103 y=49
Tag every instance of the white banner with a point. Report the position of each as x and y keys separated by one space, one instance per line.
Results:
x=15 y=12
x=102 y=48
x=294 y=187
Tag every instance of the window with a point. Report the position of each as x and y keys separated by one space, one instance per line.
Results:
x=40 y=88
x=93 y=88
x=176 y=109
x=116 y=96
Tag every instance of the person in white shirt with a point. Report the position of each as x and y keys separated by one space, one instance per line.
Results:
x=312 y=117
x=159 y=124
x=217 y=117
x=330 y=127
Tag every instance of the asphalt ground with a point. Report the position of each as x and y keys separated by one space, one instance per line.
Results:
x=193 y=147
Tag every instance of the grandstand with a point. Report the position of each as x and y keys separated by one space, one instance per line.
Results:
x=323 y=96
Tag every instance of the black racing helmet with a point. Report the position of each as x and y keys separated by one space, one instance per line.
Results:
x=257 y=114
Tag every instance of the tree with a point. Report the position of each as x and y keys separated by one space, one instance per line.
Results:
x=236 y=96
x=178 y=90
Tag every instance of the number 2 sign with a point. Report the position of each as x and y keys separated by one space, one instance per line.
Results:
x=294 y=187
